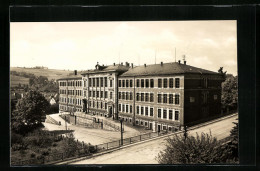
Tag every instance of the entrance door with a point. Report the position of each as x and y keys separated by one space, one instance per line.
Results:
x=159 y=128
x=151 y=126
x=110 y=111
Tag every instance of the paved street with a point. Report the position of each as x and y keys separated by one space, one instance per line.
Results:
x=145 y=153
x=89 y=135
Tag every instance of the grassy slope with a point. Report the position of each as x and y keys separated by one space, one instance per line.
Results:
x=49 y=73
x=15 y=80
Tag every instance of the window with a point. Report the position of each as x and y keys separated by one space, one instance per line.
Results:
x=123 y=95
x=119 y=95
x=105 y=105
x=97 y=104
x=119 y=107
x=146 y=111
x=142 y=83
x=142 y=110
x=171 y=82
x=165 y=98
x=101 y=82
x=192 y=99
x=137 y=109
x=89 y=82
x=131 y=96
x=177 y=100
x=111 y=95
x=165 y=81
x=111 y=83
x=146 y=97
x=119 y=83
x=159 y=113
x=151 y=111
x=131 y=109
x=137 y=83
x=105 y=81
x=126 y=95
x=127 y=83
x=101 y=94
x=101 y=105
x=131 y=83
x=97 y=79
x=170 y=98
x=93 y=82
x=123 y=83
x=93 y=104
x=142 y=96
x=94 y=93
x=164 y=114
x=170 y=114
x=177 y=83
x=89 y=103
x=97 y=93
x=159 y=83
x=146 y=83
x=159 y=98
x=151 y=83
x=126 y=108
x=176 y=115
x=123 y=106
x=151 y=97
x=137 y=97
x=105 y=94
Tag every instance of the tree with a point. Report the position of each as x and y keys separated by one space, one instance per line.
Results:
x=232 y=146
x=230 y=92
x=193 y=150
x=29 y=112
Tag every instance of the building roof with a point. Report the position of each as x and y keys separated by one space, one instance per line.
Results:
x=71 y=77
x=165 y=69
x=116 y=67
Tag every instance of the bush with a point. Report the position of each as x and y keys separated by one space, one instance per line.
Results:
x=192 y=150
x=16 y=138
x=33 y=155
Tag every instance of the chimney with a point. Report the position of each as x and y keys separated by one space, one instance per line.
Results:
x=184 y=62
x=114 y=64
x=161 y=63
x=75 y=72
x=132 y=65
x=144 y=65
x=179 y=61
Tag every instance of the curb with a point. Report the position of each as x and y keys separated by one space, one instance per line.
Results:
x=140 y=142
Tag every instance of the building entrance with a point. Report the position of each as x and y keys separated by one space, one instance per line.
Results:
x=159 y=128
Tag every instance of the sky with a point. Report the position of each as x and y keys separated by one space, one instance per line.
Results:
x=80 y=45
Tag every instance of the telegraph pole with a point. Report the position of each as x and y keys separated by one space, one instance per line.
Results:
x=121 y=121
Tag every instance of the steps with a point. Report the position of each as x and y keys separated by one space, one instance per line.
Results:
x=49 y=119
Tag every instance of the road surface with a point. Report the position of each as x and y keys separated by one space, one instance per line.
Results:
x=145 y=153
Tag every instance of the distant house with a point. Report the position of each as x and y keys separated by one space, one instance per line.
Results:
x=52 y=101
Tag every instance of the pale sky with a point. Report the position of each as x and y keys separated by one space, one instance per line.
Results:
x=80 y=45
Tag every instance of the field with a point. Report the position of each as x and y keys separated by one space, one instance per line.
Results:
x=49 y=73
x=15 y=80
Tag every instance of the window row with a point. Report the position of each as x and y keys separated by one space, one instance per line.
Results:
x=144 y=110
x=100 y=82
x=101 y=94
x=168 y=114
x=74 y=101
x=148 y=97
x=75 y=92
x=168 y=83
x=62 y=91
x=98 y=105
x=125 y=95
x=125 y=108
x=165 y=98
x=125 y=83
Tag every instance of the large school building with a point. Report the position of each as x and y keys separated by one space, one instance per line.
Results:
x=163 y=96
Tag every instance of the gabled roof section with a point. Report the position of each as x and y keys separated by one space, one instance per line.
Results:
x=165 y=69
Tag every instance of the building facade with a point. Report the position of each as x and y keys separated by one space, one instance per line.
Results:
x=159 y=97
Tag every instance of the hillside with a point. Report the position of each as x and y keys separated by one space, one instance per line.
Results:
x=49 y=73
x=15 y=80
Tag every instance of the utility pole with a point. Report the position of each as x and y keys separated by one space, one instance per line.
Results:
x=121 y=121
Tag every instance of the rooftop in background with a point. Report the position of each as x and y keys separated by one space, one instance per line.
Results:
x=165 y=69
